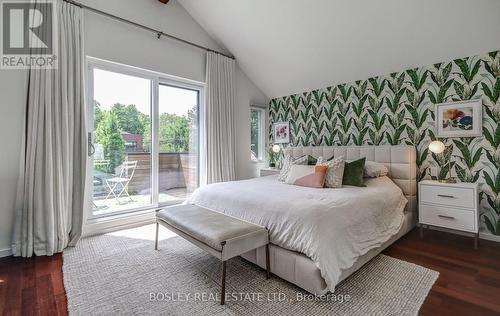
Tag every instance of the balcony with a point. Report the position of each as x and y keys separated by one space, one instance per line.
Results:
x=178 y=178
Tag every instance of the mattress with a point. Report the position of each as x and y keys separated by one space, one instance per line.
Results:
x=331 y=227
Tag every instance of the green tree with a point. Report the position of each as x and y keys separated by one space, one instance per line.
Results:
x=98 y=114
x=130 y=119
x=146 y=136
x=108 y=134
x=174 y=133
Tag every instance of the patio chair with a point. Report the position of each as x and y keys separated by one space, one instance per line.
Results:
x=121 y=181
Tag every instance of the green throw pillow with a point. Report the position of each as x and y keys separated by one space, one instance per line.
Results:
x=353 y=173
x=311 y=161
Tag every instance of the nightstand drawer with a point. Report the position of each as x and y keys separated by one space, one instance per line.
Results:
x=462 y=197
x=448 y=217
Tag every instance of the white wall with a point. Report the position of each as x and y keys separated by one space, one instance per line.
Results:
x=119 y=42
x=127 y=44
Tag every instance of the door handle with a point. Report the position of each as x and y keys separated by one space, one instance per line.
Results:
x=90 y=146
x=446 y=216
x=446 y=196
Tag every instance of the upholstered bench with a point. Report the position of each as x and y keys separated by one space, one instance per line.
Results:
x=220 y=235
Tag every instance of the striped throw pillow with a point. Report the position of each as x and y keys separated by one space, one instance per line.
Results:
x=288 y=162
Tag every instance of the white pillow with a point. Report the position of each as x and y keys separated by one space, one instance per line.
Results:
x=374 y=169
x=297 y=172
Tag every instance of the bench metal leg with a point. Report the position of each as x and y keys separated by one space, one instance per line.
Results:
x=223 y=284
x=156 y=237
x=268 y=265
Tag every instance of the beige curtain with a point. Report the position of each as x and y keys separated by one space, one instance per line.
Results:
x=219 y=119
x=51 y=182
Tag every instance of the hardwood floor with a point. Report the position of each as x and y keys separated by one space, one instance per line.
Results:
x=32 y=286
x=468 y=284
x=469 y=280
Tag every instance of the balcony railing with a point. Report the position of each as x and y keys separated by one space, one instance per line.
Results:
x=176 y=170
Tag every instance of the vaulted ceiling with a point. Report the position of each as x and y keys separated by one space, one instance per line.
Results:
x=291 y=46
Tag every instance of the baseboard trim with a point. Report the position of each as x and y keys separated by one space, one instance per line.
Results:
x=490 y=237
x=5 y=252
x=482 y=235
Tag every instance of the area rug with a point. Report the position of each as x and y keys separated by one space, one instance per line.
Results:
x=109 y=275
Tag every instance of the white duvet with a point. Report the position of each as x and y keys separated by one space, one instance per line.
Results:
x=333 y=227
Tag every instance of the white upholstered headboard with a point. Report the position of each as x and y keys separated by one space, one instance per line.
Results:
x=399 y=159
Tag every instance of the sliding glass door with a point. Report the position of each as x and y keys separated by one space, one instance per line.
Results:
x=178 y=142
x=121 y=176
x=143 y=140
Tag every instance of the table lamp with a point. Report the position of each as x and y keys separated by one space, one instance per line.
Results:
x=272 y=159
x=438 y=147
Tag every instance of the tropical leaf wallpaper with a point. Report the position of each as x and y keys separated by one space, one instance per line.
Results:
x=399 y=109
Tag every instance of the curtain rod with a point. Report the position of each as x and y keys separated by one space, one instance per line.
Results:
x=158 y=33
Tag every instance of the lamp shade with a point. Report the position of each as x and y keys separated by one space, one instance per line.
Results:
x=276 y=148
x=436 y=147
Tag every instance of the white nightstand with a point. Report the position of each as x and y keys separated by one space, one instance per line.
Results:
x=449 y=205
x=269 y=171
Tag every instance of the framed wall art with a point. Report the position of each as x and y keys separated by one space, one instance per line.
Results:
x=281 y=132
x=459 y=119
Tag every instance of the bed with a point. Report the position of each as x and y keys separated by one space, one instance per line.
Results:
x=321 y=236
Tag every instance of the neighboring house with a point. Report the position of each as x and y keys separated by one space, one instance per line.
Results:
x=133 y=142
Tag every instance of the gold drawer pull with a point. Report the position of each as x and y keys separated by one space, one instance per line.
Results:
x=446 y=216
x=446 y=196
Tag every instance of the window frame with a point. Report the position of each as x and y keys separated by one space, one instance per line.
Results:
x=156 y=79
x=262 y=132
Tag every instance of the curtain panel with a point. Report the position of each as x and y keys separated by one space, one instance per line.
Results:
x=219 y=119
x=50 y=197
